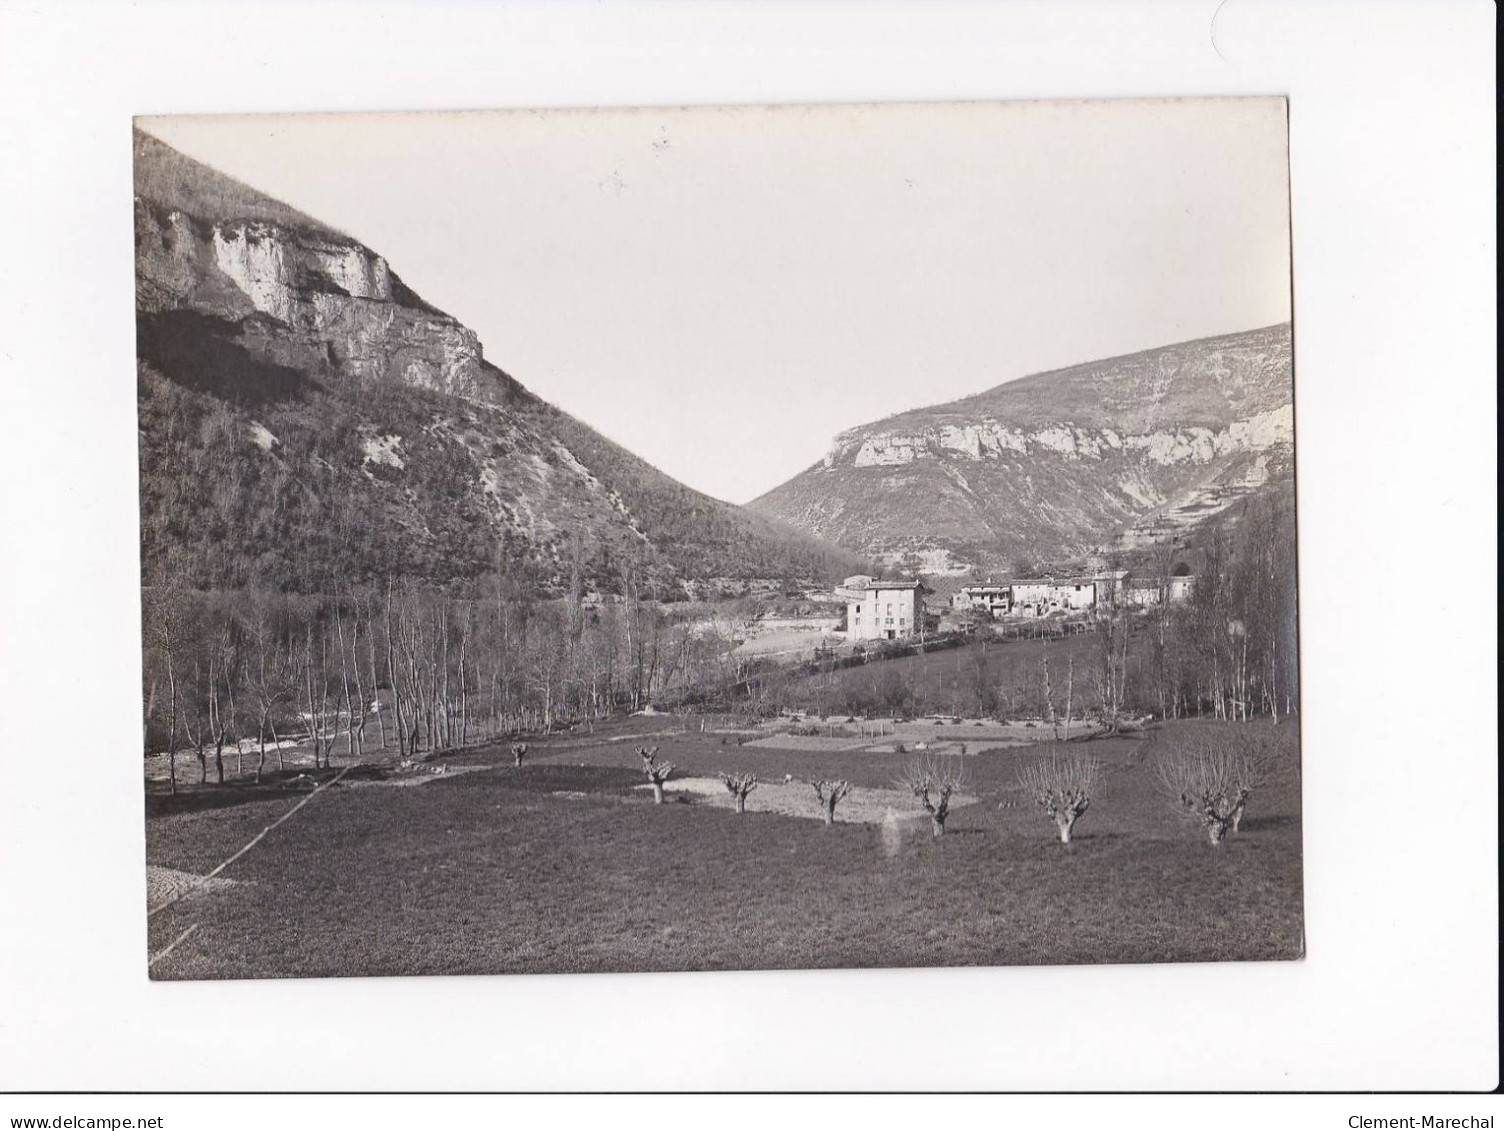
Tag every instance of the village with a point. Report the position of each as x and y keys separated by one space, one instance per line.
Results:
x=894 y=608
x=864 y=609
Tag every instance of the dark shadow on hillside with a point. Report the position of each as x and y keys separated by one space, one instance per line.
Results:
x=512 y=393
x=203 y=353
x=403 y=295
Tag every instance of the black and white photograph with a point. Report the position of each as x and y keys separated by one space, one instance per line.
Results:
x=718 y=538
x=798 y=563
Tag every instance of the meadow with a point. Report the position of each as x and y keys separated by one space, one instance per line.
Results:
x=565 y=864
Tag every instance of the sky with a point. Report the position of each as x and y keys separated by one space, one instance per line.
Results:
x=723 y=290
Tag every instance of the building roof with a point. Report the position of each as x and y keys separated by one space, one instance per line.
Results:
x=1053 y=581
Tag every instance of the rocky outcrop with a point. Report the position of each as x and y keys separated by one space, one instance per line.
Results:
x=993 y=439
x=1058 y=464
x=336 y=297
x=308 y=422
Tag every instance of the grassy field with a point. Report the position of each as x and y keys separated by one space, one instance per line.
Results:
x=564 y=865
x=952 y=680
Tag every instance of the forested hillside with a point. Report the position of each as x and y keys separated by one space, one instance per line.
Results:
x=309 y=423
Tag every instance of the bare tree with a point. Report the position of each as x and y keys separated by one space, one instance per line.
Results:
x=165 y=628
x=1252 y=767
x=1163 y=557
x=195 y=714
x=1070 y=693
x=1062 y=784
x=224 y=672
x=1111 y=675
x=1209 y=781
x=739 y=785
x=355 y=709
x=268 y=675
x=657 y=772
x=1049 y=695
x=403 y=748
x=934 y=781
x=315 y=665
x=830 y=794
x=368 y=606
x=519 y=753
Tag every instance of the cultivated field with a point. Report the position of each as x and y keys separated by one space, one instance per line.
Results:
x=565 y=864
x=989 y=677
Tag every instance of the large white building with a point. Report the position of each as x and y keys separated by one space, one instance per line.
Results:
x=882 y=610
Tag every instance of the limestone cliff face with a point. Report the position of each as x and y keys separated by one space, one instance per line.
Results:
x=307 y=422
x=1059 y=464
x=332 y=295
x=994 y=439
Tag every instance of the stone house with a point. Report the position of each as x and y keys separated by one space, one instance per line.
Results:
x=1038 y=597
x=883 y=610
x=995 y=600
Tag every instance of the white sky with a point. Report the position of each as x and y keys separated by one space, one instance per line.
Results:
x=723 y=290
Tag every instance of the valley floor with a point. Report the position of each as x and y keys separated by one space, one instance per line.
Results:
x=566 y=865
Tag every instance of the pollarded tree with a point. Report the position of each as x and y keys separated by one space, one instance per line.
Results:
x=934 y=781
x=1062 y=785
x=1210 y=780
x=1251 y=764
x=830 y=794
x=657 y=772
x=739 y=785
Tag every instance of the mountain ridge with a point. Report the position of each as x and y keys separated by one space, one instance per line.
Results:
x=1031 y=388
x=307 y=420
x=1058 y=464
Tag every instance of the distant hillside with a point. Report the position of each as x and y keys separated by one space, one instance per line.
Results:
x=1109 y=454
x=308 y=421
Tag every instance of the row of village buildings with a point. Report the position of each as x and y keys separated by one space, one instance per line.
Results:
x=893 y=610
